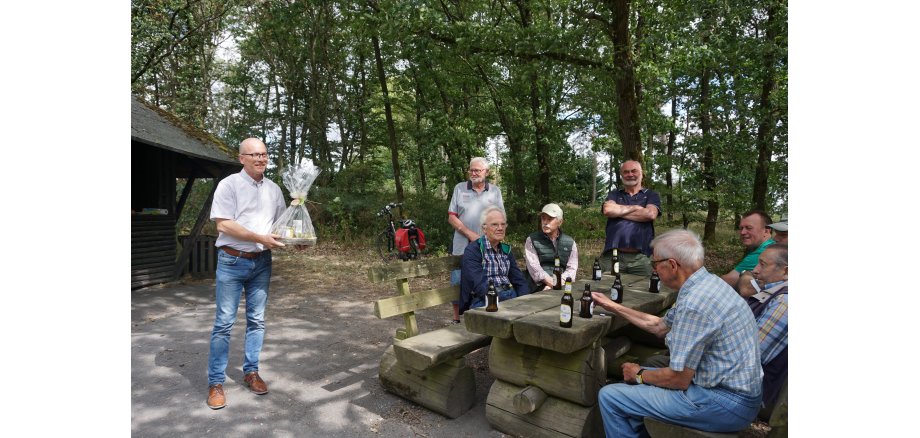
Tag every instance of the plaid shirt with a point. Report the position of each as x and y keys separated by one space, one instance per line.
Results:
x=496 y=265
x=774 y=326
x=714 y=333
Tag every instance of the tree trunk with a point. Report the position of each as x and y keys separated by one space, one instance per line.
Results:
x=765 y=128
x=627 y=106
x=391 y=127
x=668 y=175
x=709 y=179
x=362 y=124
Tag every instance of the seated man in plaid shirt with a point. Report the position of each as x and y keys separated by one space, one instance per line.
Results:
x=770 y=307
x=713 y=382
x=490 y=258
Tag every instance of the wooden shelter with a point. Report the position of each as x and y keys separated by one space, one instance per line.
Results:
x=164 y=148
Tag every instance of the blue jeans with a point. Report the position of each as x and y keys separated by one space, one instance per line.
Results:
x=503 y=295
x=455 y=281
x=234 y=275
x=623 y=406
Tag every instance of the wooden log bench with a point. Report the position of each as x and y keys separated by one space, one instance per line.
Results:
x=778 y=421
x=427 y=368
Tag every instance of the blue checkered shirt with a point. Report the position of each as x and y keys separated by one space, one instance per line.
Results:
x=495 y=263
x=714 y=333
x=774 y=326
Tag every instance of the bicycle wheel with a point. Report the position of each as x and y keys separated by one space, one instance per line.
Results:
x=414 y=252
x=385 y=246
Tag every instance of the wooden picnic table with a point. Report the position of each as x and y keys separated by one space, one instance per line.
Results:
x=547 y=377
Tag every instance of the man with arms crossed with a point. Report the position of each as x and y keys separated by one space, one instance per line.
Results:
x=631 y=213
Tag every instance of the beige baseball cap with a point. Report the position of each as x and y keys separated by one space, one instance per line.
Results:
x=782 y=225
x=553 y=210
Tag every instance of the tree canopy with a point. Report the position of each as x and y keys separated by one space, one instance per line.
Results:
x=392 y=98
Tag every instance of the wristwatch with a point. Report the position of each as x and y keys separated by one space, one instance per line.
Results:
x=639 y=376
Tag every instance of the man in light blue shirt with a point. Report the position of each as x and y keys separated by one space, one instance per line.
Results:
x=713 y=382
x=467 y=202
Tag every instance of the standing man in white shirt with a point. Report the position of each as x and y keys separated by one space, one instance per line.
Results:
x=244 y=208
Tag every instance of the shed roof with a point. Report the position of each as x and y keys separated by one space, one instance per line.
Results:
x=159 y=128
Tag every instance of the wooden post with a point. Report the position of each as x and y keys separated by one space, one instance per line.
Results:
x=189 y=243
x=185 y=192
x=528 y=400
x=402 y=285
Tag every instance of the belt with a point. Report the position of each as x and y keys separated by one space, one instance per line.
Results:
x=243 y=254
x=628 y=250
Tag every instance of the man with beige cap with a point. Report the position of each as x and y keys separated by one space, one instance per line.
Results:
x=542 y=247
x=781 y=230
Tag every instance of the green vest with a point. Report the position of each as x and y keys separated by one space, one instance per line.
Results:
x=547 y=253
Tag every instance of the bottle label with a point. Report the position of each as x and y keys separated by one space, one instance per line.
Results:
x=565 y=313
x=616 y=268
x=597 y=274
x=568 y=287
x=614 y=294
x=592 y=307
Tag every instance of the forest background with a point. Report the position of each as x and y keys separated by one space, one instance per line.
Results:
x=392 y=99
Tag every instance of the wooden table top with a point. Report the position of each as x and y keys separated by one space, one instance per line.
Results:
x=534 y=319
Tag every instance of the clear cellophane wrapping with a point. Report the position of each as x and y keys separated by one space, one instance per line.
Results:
x=295 y=226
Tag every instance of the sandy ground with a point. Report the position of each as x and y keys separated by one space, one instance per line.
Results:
x=320 y=358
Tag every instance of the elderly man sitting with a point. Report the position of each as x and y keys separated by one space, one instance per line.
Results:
x=542 y=247
x=771 y=308
x=488 y=258
x=714 y=377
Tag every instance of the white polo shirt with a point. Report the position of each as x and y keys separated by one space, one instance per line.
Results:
x=253 y=204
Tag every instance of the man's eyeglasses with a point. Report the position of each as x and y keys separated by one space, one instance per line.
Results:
x=262 y=155
x=656 y=262
x=497 y=226
x=477 y=170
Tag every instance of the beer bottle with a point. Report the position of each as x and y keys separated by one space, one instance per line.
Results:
x=557 y=272
x=597 y=270
x=653 y=282
x=615 y=263
x=616 y=290
x=491 y=299
x=587 y=303
x=568 y=303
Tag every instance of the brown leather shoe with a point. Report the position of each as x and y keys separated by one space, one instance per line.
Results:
x=255 y=383
x=216 y=399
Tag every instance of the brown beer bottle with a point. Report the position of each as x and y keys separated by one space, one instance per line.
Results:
x=616 y=290
x=557 y=272
x=653 y=282
x=587 y=303
x=597 y=270
x=491 y=299
x=568 y=303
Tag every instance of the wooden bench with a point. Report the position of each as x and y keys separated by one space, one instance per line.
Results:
x=426 y=368
x=779 y=424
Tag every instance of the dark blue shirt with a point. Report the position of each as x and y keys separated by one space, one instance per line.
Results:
x=625 y=233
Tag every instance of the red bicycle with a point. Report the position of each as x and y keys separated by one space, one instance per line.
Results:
x=404 y=243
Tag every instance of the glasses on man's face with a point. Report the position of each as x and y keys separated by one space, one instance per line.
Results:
x=496 y=226
x=656 y=262
x=477 y=170
x=257 y=156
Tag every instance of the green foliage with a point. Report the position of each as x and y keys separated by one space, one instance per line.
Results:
x=460 y=74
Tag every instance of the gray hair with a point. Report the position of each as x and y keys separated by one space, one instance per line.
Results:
x=780 y=253
x=489 y=210
x=481 y=160
x=681 y=245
